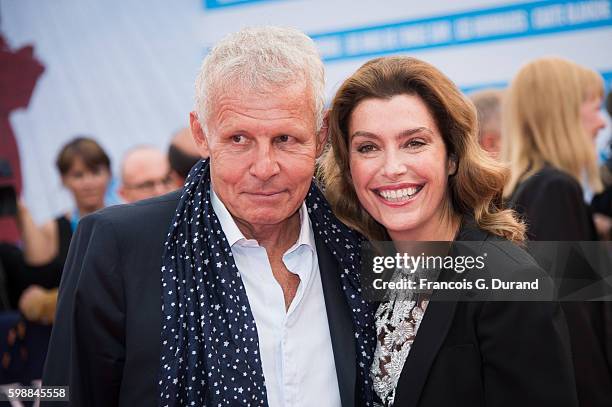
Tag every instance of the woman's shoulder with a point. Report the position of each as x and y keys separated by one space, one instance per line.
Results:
x=500 y=253
x=509 y=256
x=547 y=199
x=551 y=179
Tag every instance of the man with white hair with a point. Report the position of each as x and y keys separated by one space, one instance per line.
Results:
x=145 y=173
x=242 y=288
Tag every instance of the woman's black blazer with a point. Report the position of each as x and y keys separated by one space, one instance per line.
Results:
x=490 y=353
x=553 y=206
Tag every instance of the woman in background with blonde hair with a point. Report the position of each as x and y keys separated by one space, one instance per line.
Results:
x=551 y=118
x=405 y=165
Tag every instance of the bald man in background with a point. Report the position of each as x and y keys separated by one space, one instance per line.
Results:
x=182 y=154
x=145 y=173
x=488 y=104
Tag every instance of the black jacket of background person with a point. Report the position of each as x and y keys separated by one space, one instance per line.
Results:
x=502 y=354
x=553 y=205
x=105 y=343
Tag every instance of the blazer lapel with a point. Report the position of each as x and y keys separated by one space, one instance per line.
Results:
x=431 y=334
x=340 y=324
x=432 y=331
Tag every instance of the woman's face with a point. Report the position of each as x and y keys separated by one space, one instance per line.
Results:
x=88 y=187
x=592 y=119
x=399 y=166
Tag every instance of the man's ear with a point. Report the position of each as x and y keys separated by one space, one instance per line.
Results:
x=491 y=142
x=197 y=132
x=487 y=141
x=323 y=134
x=122 y=191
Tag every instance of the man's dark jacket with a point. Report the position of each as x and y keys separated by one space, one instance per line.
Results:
x=105 y=343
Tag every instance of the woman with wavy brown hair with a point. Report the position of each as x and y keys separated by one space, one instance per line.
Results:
x=405 y=165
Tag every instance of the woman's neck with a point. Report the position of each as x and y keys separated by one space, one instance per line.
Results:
x=86 y=210
x=442 y=231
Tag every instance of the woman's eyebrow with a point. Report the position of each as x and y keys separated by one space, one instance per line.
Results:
x=403 y=133
x=365 y=134
x=410 y=132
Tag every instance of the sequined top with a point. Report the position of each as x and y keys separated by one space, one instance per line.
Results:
x=397 y=323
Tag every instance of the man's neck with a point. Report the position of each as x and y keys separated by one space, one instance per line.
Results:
x=277 y=238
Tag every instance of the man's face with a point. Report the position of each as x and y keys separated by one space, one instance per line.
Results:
x=262 y=149
x=146 y=174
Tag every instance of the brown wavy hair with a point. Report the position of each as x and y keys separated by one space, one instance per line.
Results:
x=476 y=188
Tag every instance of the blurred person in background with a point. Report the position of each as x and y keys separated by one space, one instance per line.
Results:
x=145 y=173
x=488 y=105
x=183 y=154
x=551 y=118
x=602 y=203
x=85 y=171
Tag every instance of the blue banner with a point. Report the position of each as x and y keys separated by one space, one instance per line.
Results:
x=213 y=4
x=607 y=79
x=513 y=21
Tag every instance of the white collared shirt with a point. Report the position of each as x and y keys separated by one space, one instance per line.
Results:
x=295 y=344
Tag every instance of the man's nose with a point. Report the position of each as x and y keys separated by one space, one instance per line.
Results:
x=265 y=165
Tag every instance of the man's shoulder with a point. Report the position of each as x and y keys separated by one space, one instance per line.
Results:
x=143 y=220
x=146 y=211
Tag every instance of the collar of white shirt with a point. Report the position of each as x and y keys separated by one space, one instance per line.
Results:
x=236 y=237
x=295 y=344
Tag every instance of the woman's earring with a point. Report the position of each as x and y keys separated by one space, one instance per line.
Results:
x=452 y=165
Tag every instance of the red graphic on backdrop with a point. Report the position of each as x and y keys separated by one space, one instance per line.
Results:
x=19 y=72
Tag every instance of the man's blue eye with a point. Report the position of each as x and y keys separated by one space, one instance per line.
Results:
x=283 y=139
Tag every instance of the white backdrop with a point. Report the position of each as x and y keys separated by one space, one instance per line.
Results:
x=123 y=70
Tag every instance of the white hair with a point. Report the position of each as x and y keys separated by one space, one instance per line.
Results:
x=261 y=59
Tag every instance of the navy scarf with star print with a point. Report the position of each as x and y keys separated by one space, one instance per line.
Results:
x=210 y=351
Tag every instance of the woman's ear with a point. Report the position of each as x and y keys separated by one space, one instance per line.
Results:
x=452 y=164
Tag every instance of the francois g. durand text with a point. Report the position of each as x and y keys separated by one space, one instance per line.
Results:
x=464 y=284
